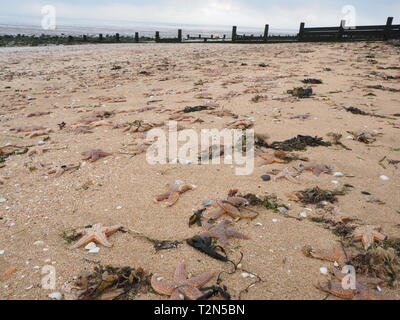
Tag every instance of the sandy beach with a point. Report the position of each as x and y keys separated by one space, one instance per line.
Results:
x=120 y=84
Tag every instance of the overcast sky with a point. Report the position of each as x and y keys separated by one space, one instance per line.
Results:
x=278 y=13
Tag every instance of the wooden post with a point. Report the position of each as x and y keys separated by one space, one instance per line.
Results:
x=157 y=36
x=341 y=29
x=301 y=31
x=100 y=37
x=70 y=39
x=84 y=38
x=117 y=37
x=136 y=36
x=388 y=28
x=179 y=35
x=234 y=33
x=266 y=30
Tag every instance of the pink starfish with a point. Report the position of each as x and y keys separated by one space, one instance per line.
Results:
x=221 y=232
x=181 y=287
x=94 y=155
x=97 y=233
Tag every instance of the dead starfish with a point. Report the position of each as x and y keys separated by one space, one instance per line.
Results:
x=270 y=159
x=38 y=114
x=221 y=232
x=361 y=291
x=62 y=169
x=173 y=193
x=97 y=233
x=368 y=235
x=94 y=155
x=230 y=207
x=181 y=287
x=240 y=124
x=337 y=254
x=316 y=169
x=286 y=174
x=27 y=128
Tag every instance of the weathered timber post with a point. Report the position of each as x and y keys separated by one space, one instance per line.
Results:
x=179 y=35
x=301 y=31
x=157 y=36
x=70 y=39
x=136 y=36
x=341 y=29
x=84 y=38
x=100 y=37
x=234 y=33
x=266 y=32
x=117 y=37
x=388 y=29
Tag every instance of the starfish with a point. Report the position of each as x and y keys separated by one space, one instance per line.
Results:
x=27 y=128
x=94 y=155
x=39 y=133
x=62 y=169
x=229 y=207
x=361 y=291
x=181 y=287
x=240 y=124
x=38 y=114
x=368 y=235
x=173 y=193
x=97 y=233
x=221 y=232
x=316 y=169
x=286 y=174
x=337 y=254
x=270 y=158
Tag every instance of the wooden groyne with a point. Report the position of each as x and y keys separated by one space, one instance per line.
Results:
x=341 y=32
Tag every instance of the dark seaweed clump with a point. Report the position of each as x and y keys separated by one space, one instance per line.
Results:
x=197 y=108
x=355 y=110
x=113 y=283
x=299 y=143
x=206 y=246
x=301 y=92
x=312 y=81
x=316 y=195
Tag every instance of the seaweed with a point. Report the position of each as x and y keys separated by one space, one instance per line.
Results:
x=109 y=283
x=382 y=262
x=196 y=217
x=158 y=244
x=316 y=195
x=301 y=92
x=214 y=291
x=299 y=143
x=197 y=108
x=312 y=81
x=206 y=246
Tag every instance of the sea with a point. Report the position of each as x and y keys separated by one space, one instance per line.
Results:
x=144 y=29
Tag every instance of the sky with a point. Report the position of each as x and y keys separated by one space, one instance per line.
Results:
x=285 y=14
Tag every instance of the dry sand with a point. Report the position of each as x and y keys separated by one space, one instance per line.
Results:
x=63 y=80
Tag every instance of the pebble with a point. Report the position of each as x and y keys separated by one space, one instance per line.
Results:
x=336 y=264
x=384 y=178
x=245 y=275
x=275 y=220
x=303 y=215
x=365 y=193
x=282 y=209
x=94 y=250
x=266 y=177
x=38 y=243
x=258 y=224
x=55 y=296
x=338 y=174
x=3 y=200
x=335 y=182
x=90 y=246
x=119 y=207
x=2 y=251
x=323 y=270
